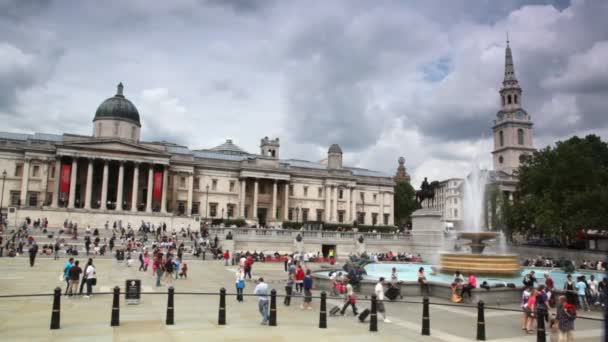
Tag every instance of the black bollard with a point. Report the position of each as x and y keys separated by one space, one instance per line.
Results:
x=56 y=309
x=170 y=309
x=221 y=320
x=481 y=322
x=373 y=316
x=272 y=319
x=115 y=321
x=541 y=335
x=323 y=311
x=426 y=319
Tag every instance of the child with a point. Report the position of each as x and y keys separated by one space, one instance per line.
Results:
x=184 y=271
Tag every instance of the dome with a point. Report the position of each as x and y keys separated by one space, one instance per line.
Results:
x=119 y=108
x=335 y=148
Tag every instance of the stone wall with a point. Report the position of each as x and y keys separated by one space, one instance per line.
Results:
x=96 y=218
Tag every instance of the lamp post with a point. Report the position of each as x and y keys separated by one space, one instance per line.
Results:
x=207 y=201
x=2 y=197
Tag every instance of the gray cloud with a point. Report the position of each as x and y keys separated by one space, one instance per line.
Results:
x=383 y=79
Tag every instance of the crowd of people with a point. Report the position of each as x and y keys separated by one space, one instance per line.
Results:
x=549 y=262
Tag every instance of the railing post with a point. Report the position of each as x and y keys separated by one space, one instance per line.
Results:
x=221 y=320
x=481 y=322
x=170 y=318
x=272 y=319
x=115 y=320
x=323 y=311
x=541 y=335
x=56 y=309
x=426 y=319
x=373 y=318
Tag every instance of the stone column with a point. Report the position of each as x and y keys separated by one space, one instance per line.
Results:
x=334 y=212
x=104 y=185
x=190 y=192
x=135 y=187
x=120 y=188
x=286 y=204
x=150 y=185
x=391 y=211
x=274 y=201
x=381 y=218
x=242 y=199
x=354 y=199
x=25 y=178
x=347 y=218
x=163 y=201
x=89 y=187
x=255 y=199
x=57 y=182
x=327 y=204
x=72 y=198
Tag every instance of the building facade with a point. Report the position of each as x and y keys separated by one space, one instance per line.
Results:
x=448 y=201
x=113 y=171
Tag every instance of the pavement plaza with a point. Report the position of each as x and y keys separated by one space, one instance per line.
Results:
x=28 y=319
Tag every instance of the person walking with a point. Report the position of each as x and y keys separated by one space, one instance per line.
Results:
x=379 y=291
x=168 y=272
x=146 y=260
x=141 y=261
x=581 y=288
x=299 y=279
x=307 y=285
x=289 y=288
x=66 y=273
x=91 y=277
x=158 y=268
x=570 y=288
x=56 y=248
x=226 y=257
x=566 y=314
x=239 y=284
x=74 y=276
x=349 y=298
x=261 y=290
x=33 y=251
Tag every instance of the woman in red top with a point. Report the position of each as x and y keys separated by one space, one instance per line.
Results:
x=226 y=257
x=299 y=279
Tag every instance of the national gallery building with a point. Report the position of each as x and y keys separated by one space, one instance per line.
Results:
x=113 y=174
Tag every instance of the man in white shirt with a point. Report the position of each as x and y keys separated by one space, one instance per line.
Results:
x=379 y=291
x=261 y=290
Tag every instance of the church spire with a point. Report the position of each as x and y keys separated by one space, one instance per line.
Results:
x=510 y=80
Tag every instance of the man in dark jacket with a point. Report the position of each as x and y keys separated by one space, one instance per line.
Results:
x=33 y=251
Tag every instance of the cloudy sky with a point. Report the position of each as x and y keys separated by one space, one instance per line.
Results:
x=383 y=79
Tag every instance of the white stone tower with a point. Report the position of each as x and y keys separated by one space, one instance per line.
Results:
x=513 y=125
x=270 y=147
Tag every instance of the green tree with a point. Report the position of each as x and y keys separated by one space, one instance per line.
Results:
x=562 y=189
x=405 y=202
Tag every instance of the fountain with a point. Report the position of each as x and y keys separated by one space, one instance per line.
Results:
x=499 y=264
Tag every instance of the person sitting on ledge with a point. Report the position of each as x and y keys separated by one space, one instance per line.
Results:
x=471 y=284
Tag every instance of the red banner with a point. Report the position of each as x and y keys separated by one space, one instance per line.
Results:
x=66 y=171
x=158 y=185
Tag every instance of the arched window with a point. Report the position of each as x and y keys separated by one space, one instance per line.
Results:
x=501 y=138
x=133 y=133
x=520 y=136
x=500 y=159
x=116 y=128
x=509 y=99
x=515 y=98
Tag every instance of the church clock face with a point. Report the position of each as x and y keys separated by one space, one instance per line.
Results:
x=520 y=115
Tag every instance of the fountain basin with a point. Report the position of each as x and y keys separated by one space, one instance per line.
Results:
x=477 y=264
x=477 y=239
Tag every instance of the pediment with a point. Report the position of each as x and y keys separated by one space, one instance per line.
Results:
x=116 y=146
